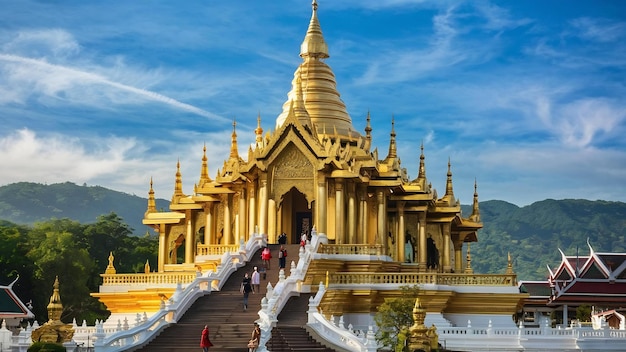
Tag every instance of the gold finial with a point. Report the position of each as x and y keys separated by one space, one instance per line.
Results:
x=259 y=132
x=178 y=183
x=393 y=152
x=146 y=268
x=151 y=200
x=234 y=153
x=449 y=196
x=55 y=307
x=314 y=45
x=509 y=266
x=422 y=168
x=204 y=170
x=475 y=217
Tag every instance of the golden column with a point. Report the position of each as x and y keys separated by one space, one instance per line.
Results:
x=362 y=232
x=209 y=226
x=421 y=258
x=263 y=207
x=271 y=221
x=226 y=238
x=320 y=213
x=351 y=213
x=382 y=236
x=190 y=241
x=339 y=211
x=163 y=247
x=458 y=256
x=401 y=232
x=251 y=207
x=446 y=247
x=242 y=233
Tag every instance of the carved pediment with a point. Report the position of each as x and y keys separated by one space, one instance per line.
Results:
x=290 y=169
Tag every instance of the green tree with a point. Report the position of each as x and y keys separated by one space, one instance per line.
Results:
x=58 y=254
x=583 y=313
x=394 y=316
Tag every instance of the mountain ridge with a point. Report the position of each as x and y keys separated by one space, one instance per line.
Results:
x=531 y=234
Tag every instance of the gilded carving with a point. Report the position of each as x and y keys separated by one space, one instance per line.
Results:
x=292 y=169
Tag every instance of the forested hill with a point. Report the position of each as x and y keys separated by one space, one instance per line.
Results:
x=532 y=234
x=27 y=203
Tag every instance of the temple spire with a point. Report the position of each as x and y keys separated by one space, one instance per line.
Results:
x=258 y=133
x=55 y=307
x=475 y=217
x=368 y=133
x=299 y=107
x=392 y=155
x=393 y=151
x=421 y=175
x=204 y=172
x=449 y=189
x=178 y=184
x=314 y=45
x=151 y=200
x=234 y=154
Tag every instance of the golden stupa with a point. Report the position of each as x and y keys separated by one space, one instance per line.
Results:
x=315 y=170
x=54 y=330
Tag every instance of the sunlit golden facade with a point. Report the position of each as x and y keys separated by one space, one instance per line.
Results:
x=315 y=169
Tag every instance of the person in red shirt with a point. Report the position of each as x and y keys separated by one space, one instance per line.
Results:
x=205 y=342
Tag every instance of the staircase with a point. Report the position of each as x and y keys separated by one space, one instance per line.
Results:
x=230 y=326
x=289 y=334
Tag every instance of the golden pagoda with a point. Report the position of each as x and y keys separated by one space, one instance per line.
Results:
x=54 y=330
x=316 y=171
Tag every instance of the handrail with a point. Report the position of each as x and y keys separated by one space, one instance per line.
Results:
x=372 y=278
x=130 y=338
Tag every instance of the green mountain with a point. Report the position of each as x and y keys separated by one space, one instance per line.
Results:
x=532 y=234
x=27 y=203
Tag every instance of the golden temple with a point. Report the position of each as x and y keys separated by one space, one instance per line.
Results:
x=316 y=172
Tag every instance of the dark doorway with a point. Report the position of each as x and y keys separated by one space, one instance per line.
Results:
x=304 y=223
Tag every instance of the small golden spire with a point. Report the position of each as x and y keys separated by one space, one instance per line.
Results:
x=421 y=174
x=55 y=307
x=393 y=151
x=299 y=107
x=178 y=184
x=146 y=268
x=151 y=200
x=509 y=266
x=475 y=217
x=204 y=170
x=258 y=132
x=234 y=153
x=368 y=133
x=449 y=196
x=314 y=45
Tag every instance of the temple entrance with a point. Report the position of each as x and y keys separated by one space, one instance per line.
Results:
x=295 y=216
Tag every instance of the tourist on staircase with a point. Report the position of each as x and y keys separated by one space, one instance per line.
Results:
x=256 y=281
x=205 y=342
x=253 y=344
x=266 y=255
x=282 y=257
x=246 y=288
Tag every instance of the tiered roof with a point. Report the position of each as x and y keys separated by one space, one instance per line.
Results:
x=598 y=278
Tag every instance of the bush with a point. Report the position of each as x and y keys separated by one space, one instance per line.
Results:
x=46 y=347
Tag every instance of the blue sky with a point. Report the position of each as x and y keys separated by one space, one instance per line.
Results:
x=526 y=97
